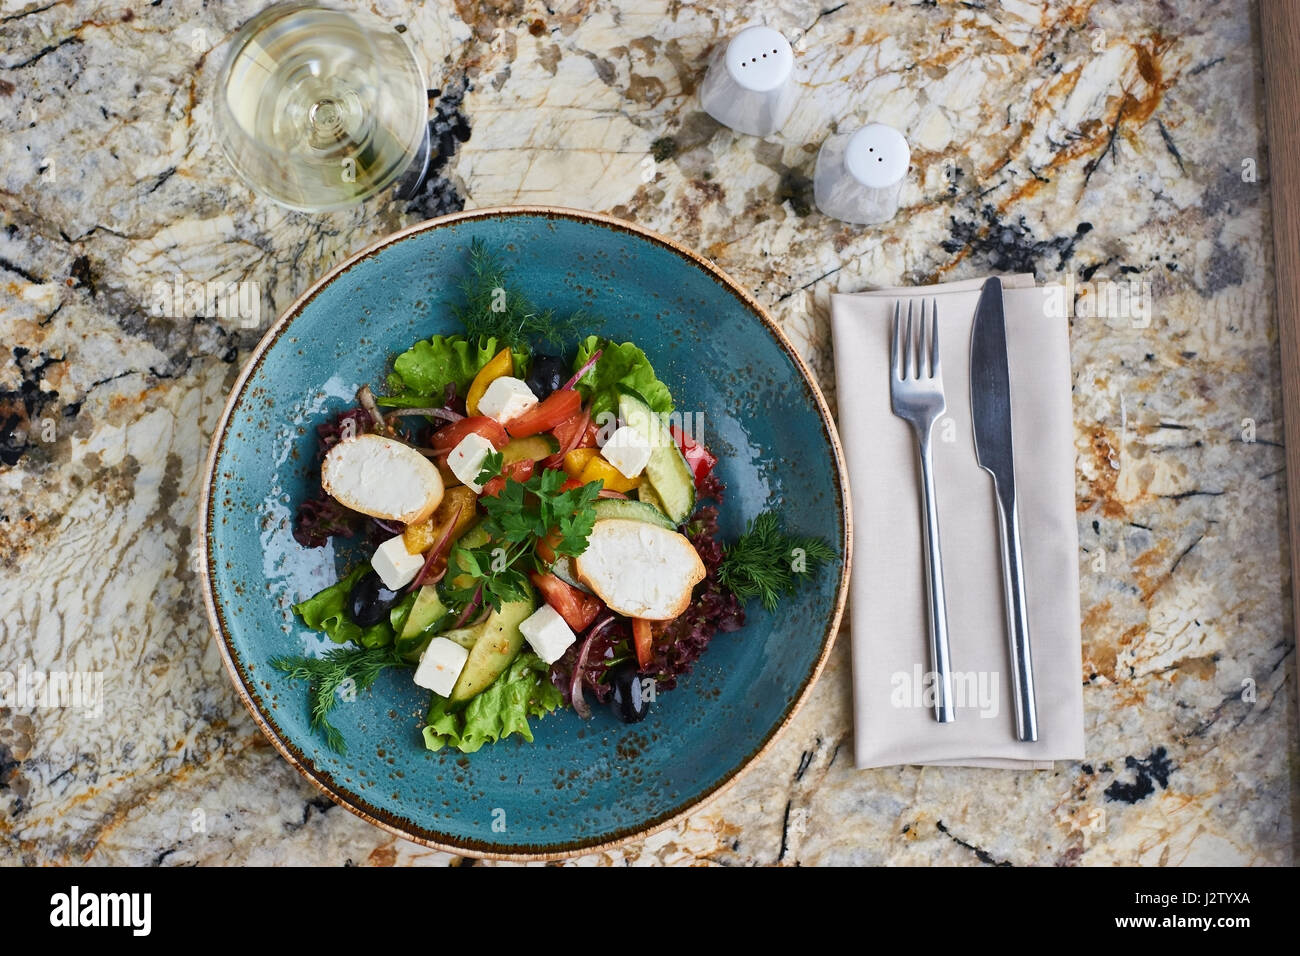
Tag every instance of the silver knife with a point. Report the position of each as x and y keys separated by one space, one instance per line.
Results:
x=990 y=404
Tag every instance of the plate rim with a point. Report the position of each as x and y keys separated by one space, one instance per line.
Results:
x=358 y=805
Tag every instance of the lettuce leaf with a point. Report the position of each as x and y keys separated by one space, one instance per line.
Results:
x=523 y=691
x=623 y=364
x=326 y=611
x=430 y=365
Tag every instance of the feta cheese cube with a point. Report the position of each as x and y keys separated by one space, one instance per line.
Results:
x=627 y=450
x=466 y=459
x=506 y=398
x=396 y=566
x=547 y=634
x=440 y=666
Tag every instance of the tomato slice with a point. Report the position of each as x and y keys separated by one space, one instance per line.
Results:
x=578 y=431
x=643 y=640
x=520 y=471
x=449 y=436
x=546 y=414
x=577 y=609
x=569 y=433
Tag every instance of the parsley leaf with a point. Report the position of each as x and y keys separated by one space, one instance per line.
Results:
x=490 y=468
x=515 y=521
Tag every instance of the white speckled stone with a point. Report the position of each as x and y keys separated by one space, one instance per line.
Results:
x=1093 y=140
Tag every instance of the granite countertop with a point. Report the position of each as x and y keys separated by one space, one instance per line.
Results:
x=1089 y=140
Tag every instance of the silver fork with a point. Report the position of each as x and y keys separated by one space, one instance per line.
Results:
x=916 y=392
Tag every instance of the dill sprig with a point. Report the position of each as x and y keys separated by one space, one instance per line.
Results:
x=767 y=563
x=492 y=308
x=328 y=676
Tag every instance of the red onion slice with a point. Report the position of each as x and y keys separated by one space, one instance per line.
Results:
x=446 y=414
x=434 y=553
x=389 y=526
x=587 y=366
x=469 y=608
x=575 y=683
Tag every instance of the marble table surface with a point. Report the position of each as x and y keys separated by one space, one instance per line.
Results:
x=1081 y=142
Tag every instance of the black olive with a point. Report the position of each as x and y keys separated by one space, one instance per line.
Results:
x=370 y=601
x=627 y=700
x=547 y=375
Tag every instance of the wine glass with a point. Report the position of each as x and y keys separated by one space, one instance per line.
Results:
x=318 y=108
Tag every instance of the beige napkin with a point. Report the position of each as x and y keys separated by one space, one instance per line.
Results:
x=893 y=716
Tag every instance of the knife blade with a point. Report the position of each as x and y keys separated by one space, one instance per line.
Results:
x=990 y=402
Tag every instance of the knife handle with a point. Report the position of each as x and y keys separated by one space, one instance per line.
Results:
x=1013 y=582
x=944 y=710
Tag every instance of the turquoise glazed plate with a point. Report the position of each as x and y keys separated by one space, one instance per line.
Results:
x=583 y=785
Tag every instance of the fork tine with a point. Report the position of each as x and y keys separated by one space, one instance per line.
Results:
x=921 y=371
x=934 y=337
x=908 y=349
x=893 y=343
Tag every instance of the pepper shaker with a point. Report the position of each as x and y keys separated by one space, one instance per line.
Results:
x=859 y=175
x=750 y=84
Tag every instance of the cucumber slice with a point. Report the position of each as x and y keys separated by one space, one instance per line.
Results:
x=535 y=447
x=673 y=483
x=645 y=492
x=497 y=645
x=428 y=607
x=413 y=648
x=562 y=568
x=473 y=538
x=633 y=511
x=427 y=614
x=466 y=637
x=667 y=470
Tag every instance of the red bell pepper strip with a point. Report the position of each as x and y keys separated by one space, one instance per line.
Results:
x=697 y=456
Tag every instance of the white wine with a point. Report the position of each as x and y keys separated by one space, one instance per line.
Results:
x=319 y=109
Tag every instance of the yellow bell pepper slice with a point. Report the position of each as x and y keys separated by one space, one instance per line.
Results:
x=502 y=364
x=598 y=468
x=419 y=538
x=577 y=459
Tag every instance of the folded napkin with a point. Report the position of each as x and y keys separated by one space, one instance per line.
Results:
x=892 y=707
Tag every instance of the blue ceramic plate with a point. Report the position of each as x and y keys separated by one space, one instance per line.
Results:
x=582 y=785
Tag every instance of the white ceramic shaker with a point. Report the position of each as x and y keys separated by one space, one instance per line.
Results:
x=859 y=175
x=750 y=84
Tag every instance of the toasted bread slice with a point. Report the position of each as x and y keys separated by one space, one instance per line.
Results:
x=640 y=569
x=383 y=478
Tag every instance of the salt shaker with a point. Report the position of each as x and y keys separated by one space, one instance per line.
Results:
x=859 y=175
x=750 y=85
